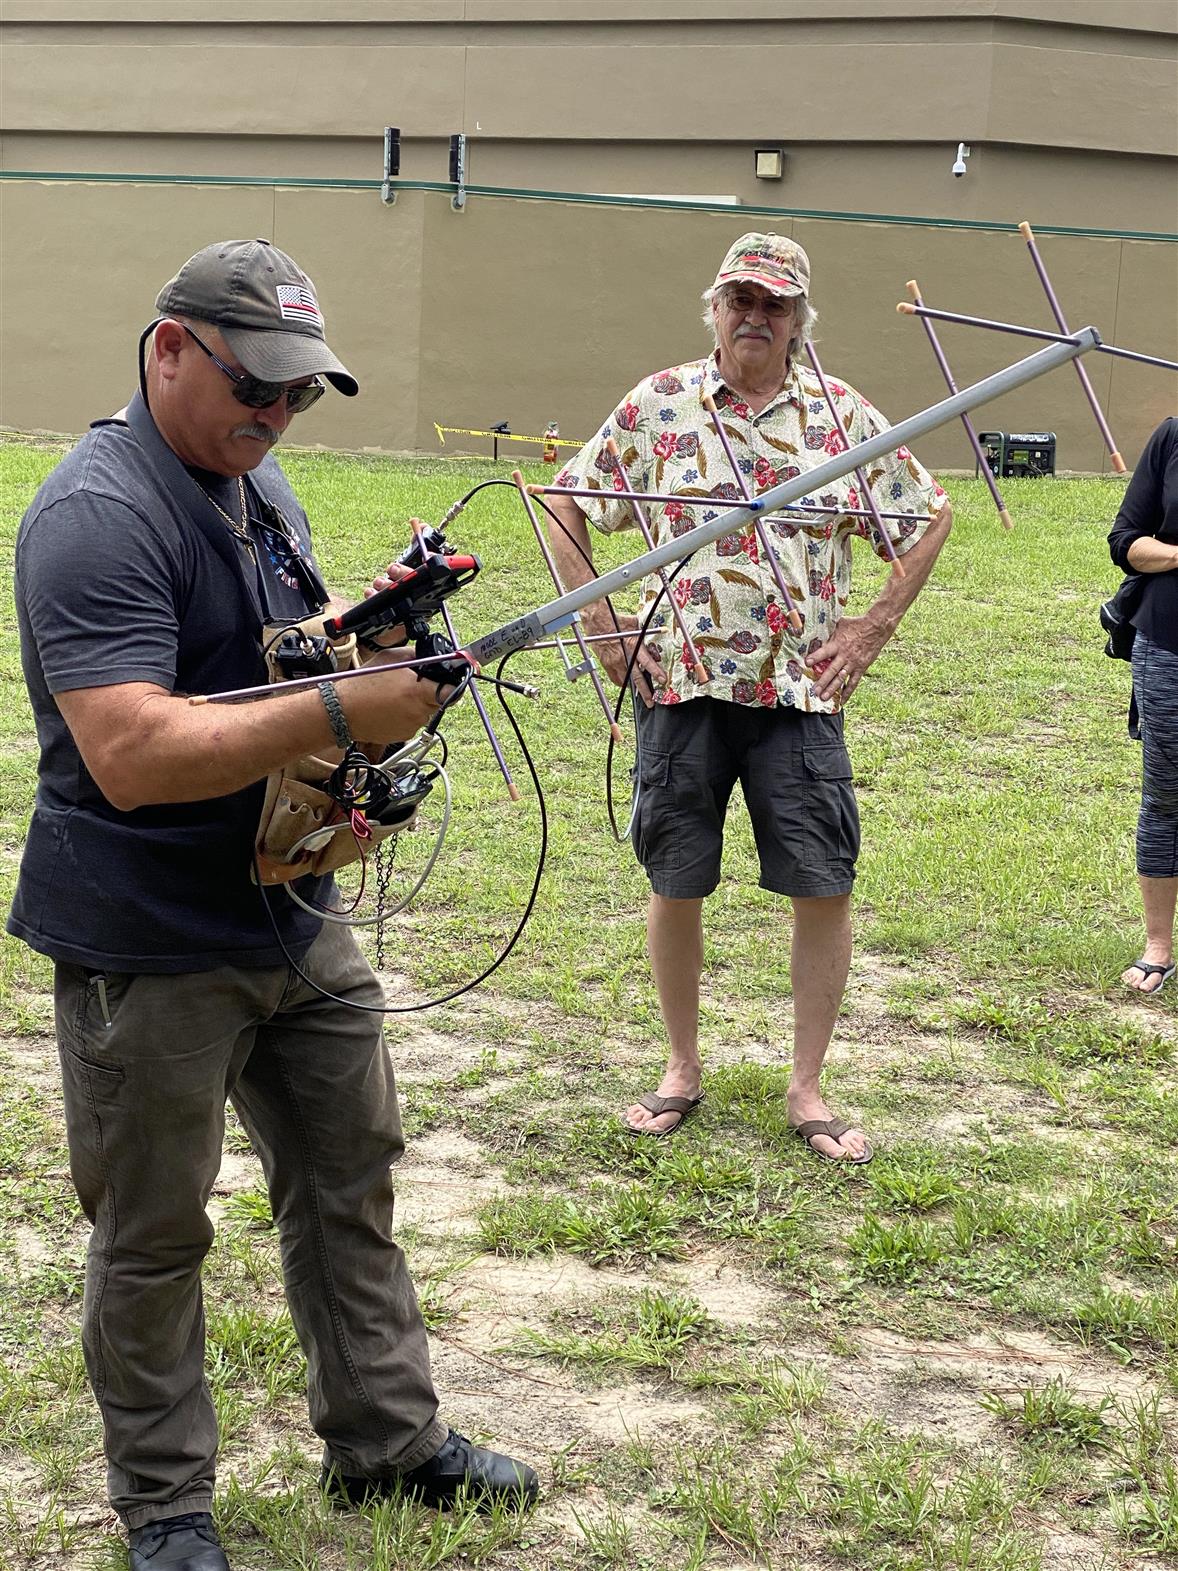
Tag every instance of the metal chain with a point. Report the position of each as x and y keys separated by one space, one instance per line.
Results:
x=383 y=867
x=240 y=530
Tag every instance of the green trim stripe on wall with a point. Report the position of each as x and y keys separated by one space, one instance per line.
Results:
x=588 y=198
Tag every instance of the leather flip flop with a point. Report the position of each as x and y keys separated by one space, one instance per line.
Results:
x=656 y=1104
x=834 y=1128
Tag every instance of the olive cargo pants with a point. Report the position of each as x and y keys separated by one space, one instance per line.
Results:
x=148 y=1063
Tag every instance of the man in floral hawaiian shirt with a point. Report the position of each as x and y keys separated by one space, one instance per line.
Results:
x=769 y=714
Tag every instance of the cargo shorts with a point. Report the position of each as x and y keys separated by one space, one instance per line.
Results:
x=795 y=775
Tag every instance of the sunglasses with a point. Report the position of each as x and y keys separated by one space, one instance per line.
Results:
x=256 y=394
x=743 y=301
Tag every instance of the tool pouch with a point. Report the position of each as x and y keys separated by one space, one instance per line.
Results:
x=302 y=829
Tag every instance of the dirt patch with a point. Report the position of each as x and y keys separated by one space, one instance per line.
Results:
x=442 y=1181
x=729 y=1294
x=501 y=1297
x=1016 y=1359
x=31 y=1248
x=428 y=1055
x=34 y=1062
x=934 y=1388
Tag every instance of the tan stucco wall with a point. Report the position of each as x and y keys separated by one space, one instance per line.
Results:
x=531 y=311
x=1070 y=106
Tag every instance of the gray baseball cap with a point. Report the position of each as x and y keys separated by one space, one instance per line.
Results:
x=265 y=307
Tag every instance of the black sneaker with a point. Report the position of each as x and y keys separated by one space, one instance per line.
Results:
x=488 y=1477
x=178 y=1543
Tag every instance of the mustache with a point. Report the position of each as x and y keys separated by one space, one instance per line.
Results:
x=752 y=332
x=255 y=428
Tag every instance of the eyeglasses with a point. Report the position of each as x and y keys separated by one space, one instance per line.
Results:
x=744 y=301
x=256 y=394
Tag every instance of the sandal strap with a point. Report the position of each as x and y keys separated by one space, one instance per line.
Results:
x=1151 y=968
x=834 y=1128
x=653 y=1103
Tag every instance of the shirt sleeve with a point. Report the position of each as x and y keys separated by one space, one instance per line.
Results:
x=97 y=587
x=594 y=470
x=1141 y=510
x=898 y=482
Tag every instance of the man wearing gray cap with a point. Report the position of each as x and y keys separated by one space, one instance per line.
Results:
x=146 y=568
x=738 y=691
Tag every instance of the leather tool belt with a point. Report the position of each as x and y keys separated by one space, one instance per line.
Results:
x=302 y=829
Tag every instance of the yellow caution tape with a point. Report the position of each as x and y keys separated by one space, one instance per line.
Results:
x=504 y=436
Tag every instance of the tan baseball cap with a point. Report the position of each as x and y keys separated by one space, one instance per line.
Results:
x=265 y=307
x=777 y=264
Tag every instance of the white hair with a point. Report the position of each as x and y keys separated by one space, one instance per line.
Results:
x=805 y=319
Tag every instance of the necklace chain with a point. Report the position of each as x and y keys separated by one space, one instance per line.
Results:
x=238 y=530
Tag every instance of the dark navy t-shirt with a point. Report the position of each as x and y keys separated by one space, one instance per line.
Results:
x=126 y=572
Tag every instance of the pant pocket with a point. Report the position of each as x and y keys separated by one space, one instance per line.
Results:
x=831 y=813
x=655 y=835
x=85 y=1003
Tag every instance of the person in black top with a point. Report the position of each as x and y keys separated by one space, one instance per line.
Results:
x=146 y=568
x=1144 y=539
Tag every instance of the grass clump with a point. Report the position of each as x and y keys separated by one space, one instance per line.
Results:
x=915 y=1183
x=619 y=1225
x=903 y=1251
x=1071 y=1036
x=656 y=1331
x=1052 y=1412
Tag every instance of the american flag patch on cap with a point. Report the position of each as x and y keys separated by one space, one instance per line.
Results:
x=298 y=304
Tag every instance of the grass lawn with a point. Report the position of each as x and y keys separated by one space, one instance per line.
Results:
x=718 y=1351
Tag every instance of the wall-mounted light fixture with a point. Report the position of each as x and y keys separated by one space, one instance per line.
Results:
x=768 y=163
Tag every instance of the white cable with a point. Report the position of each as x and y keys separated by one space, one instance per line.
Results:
x=347 y=919
x=433 y=856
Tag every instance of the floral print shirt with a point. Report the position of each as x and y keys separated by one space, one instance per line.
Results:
x=727 y=593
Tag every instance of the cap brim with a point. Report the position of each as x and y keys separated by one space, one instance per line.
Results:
x=773 y=285
x=284 y=357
